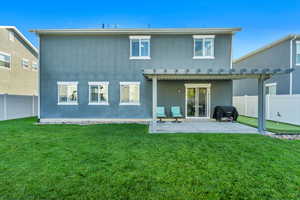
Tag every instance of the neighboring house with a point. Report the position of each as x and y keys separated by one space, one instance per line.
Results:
x=281 y=53
x=18 y=63
x=124 y=74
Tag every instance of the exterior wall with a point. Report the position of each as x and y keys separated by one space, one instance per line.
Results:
x=296 y=73
x=106 y=58
x=172 y=93
x=17 y=80
x=275 y=57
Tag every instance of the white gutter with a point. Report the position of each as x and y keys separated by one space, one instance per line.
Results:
x=291 y=64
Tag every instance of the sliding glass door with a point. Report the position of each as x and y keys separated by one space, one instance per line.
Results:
x=197 y=102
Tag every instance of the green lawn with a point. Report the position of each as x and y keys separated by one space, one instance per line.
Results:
x=275 y=127
x=125 y=162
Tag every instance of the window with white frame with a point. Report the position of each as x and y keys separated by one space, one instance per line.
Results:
x=25 y=63
x=271 y=88
x=98 y=93
x=203 y=46
x=139 y=47
x=129 y=93
x=11 y=36
x=297 y=52
x=34 y=65
x=5 y=60
x=67 y=93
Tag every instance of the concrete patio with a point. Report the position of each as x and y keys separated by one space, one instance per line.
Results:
x=201 y=126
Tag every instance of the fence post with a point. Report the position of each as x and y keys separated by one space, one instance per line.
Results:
x=5 y=106
x=246 y=105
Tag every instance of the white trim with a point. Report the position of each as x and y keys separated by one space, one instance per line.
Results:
x=203 y=36
x=67 y=104
x=139 y=37
x=129 y=83
x=139 y=94
x=34 y=63
x=99 y=102
x=11 y=36
x=10 y=61
x=208 y=98
x=140 y=58
x=99 y=83
x=270 y=84
x=198 y=85
x=203 y=57
x=297 y=42
x=38 y=78
x=203 y=47
x=22 y=63
x=291 y=65
x=95 y=120
x=67 y=83
x=22 y=37
x=129 y=104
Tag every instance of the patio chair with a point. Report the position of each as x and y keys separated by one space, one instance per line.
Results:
x=160 y=113
x=175 y=111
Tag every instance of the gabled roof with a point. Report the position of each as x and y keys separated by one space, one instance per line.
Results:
x=22 y=37
x=266 y=47
x=140 y=31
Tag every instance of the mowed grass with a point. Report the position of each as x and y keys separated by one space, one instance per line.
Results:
x=125 y=162
x=275 y=127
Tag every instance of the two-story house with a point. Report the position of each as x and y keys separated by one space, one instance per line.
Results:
x=124 y=74
x=284 y=52
x=18 y=63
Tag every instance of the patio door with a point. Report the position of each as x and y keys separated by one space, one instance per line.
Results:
x=197 y=101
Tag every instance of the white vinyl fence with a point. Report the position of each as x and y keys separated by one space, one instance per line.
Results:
x=17 y=106
x=282 y=108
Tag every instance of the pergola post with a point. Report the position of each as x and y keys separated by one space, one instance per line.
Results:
x=261 y=105
x=154 y=100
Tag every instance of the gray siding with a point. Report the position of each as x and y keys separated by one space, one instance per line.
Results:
x=296 y=73
x=172 y=93
x=277 y=56
x=106 y=58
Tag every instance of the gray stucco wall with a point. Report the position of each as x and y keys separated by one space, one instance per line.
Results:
x=172 y=93
x=277 y=56
x=106 y=58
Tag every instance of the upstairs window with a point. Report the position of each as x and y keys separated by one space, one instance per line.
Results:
x=11 y=36
x=34 y=66
x=98 y=93
x=297 y=52
x=5 y=60
x=129 y=93
x=67 y=93
x=25 y=63
x=139 y=47
x=204 y=46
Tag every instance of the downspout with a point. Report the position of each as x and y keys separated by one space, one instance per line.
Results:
x=291 y=64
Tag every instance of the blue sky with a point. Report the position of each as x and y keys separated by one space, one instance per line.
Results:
x=262 y=21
